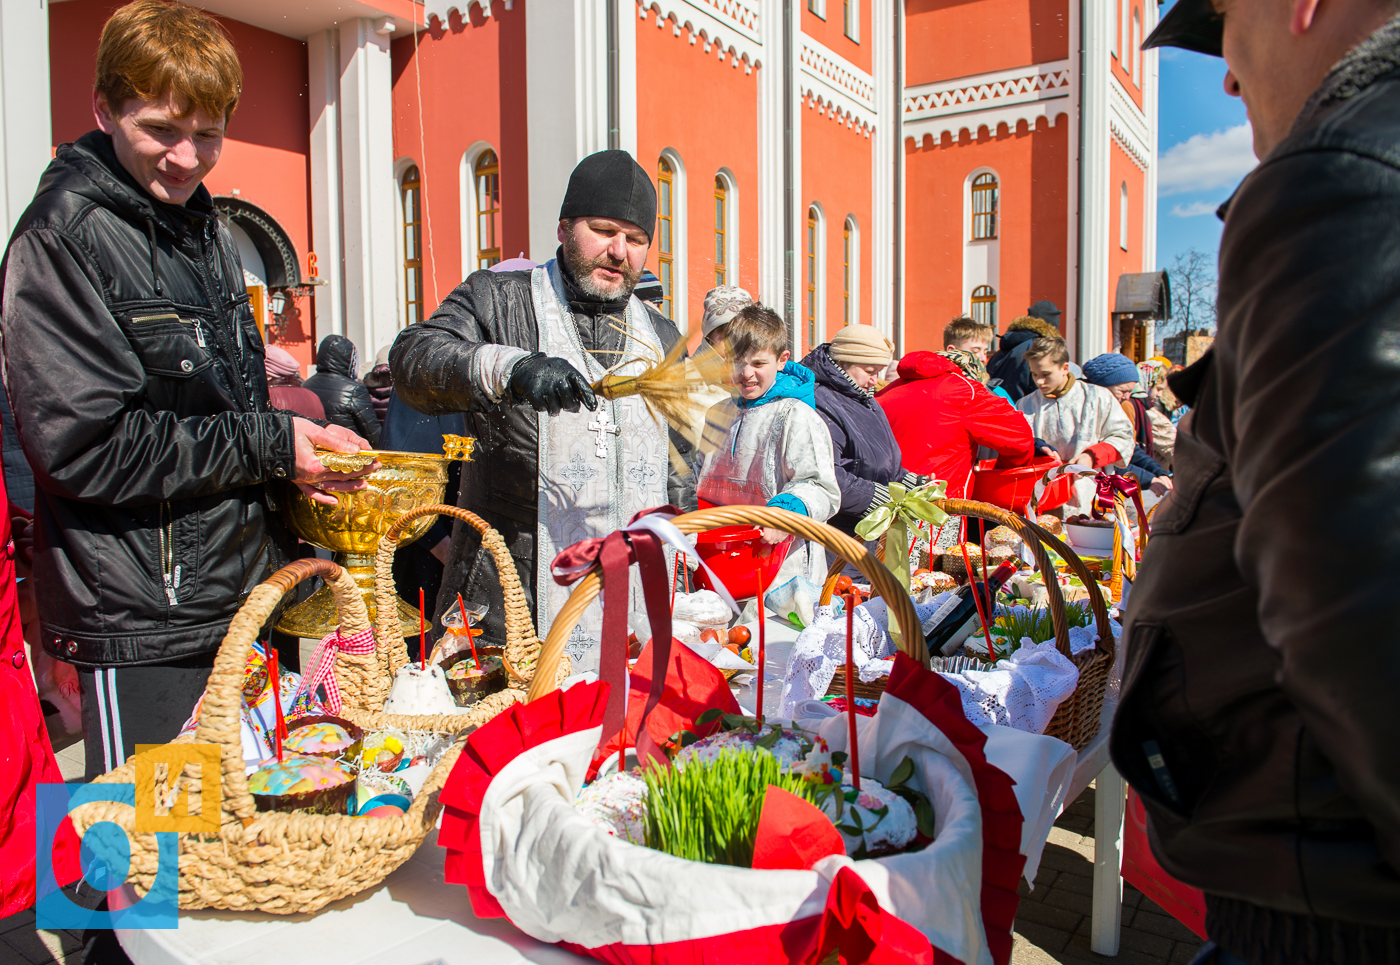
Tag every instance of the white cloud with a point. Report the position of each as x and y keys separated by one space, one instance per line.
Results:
x=1194 y=210
x=1204 y=162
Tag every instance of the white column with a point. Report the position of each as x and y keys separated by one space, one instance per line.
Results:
x=627 y=75
x=881 y=230
x=373 y=309
x=566 y=84
x=26 y=137
x=1149 y=103
x=1095 y=200
x=323 y=72
x=799 y=204
x=770 y=157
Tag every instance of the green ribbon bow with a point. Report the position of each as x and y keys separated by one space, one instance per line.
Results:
x=906 y=507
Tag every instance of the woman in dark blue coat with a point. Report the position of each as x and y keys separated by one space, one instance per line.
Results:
x=867 y=454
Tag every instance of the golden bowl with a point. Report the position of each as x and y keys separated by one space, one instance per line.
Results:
x=353 y=527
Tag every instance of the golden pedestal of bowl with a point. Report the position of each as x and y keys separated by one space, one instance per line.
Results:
x=351 y=529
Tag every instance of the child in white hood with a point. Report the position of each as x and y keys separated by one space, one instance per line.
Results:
x=768 y=447
x=1082 y=423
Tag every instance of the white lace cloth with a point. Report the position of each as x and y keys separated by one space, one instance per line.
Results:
x=1023 y=691
x=821 y=648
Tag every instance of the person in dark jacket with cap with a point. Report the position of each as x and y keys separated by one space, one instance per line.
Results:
x=1257 y=718
x=1008 y=364
x=518 y=352
x=867 y=454
x=345 y=398
x=135 y=372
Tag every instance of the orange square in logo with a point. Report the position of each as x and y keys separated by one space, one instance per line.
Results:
x=176 y=757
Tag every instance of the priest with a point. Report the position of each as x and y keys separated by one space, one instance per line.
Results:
x=517 y=352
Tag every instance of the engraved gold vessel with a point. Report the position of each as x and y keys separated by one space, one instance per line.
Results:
x=351 y=529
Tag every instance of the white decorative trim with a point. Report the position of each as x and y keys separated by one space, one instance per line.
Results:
x=831 y=106
x=442 y=9
x=991 y=118
x=1020 y=85
x=838 y=73
x=708 y=21
x=1139 y=153
x=1128 y=121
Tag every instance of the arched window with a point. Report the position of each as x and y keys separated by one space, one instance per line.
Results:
x=410 y=187
x=721 y=231
x=1123 y=216
x=665 y=182
x=1137 y=42
x=488 y=209
x=984 y=305
x=815 y=277
x=850 y=271
x=984 y=207
x=846 y=274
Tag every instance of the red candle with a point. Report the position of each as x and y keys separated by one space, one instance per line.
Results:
x=279 y=729
x=850 y=688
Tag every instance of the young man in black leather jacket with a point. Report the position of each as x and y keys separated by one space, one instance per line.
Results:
x=1263 y=660
x=136 y=376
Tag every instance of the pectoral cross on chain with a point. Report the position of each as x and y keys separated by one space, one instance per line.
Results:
x=600 y=425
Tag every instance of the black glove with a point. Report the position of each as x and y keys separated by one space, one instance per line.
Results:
x=550 y=384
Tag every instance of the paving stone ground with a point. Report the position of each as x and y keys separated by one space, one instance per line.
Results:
x=1052 y=925
x=1053 y=921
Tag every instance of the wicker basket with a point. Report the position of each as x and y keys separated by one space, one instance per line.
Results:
x=881 y=579
x=1076 y=721
x=271 y=861
x=522 y=645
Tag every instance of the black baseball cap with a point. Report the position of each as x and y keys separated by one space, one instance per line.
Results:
x=1190 y=25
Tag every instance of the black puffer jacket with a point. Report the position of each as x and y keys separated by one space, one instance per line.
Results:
x=346 y=400
x=1263 y=665
x=484 y=325
x=135 y=372
x=867 y=453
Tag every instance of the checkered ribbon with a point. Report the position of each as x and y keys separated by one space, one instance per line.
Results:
x=323 y=662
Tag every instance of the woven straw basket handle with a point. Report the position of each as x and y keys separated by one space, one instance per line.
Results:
x=522 y=644
x=220 y=714
x=880 y=578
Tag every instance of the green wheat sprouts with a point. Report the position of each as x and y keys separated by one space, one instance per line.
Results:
x=709 y=811
x=1016 y=623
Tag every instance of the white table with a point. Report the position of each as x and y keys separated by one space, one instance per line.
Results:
x=415 y=918
x=412 y=918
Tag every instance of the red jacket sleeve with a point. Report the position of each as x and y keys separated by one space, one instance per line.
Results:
x=993 y=422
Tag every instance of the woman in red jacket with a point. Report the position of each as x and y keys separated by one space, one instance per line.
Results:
x=941 y=416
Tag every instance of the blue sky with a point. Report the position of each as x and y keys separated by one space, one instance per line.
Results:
x=1203 y=150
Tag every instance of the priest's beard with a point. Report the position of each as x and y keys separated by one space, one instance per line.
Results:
x=582 y=270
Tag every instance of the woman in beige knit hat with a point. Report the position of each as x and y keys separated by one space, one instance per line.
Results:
x=867 y=455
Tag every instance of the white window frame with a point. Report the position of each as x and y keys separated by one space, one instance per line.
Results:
x=731 y=225
x=853 y=34
x=1123 y=217
x=819 y=302
x=991 y=253
x=401 y=167
x=680 y=227
x=467 y=208
x=1137 y=42
x=853 y=226
x=1123 y=7
x=817 y=8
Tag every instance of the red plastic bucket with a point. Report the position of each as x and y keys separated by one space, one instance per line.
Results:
x=738 y=556
x=1011 y=489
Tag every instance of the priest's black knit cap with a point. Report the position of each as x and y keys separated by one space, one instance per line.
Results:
x=610 y=184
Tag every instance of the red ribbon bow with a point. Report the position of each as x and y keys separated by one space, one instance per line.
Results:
x=1107 y=486
x=324 y=663
x=616 y=552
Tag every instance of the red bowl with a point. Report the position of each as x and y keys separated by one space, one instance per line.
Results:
x=1011 y=489
x=738 y=556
